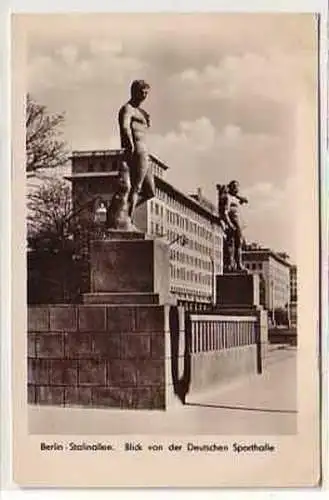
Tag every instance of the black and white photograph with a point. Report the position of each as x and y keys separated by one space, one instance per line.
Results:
x=165 y=158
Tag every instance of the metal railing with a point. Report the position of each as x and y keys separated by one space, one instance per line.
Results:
x=218 y=332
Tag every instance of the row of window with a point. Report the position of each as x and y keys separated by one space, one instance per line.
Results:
x=172 y=236
x=277 y=277
x=156 y=169
x=184 y=223
x=193 y=295
x=179 y=207
x=180 y=273
x=254 y=266
x=185 y=258
x=157 y=229
x=102 y=165
x=189 y=243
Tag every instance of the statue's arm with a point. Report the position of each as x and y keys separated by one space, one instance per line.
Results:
x=225 y=212
x=242 y=199
x=125 y=116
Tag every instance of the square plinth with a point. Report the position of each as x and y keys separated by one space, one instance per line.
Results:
x=237 y=290
x=130 y=266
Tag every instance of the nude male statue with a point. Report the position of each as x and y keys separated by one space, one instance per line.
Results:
x=134 y=122
x=229 y=202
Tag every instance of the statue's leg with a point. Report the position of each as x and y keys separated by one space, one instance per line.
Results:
x=230 y=250
x=148 y=187
x=238 y=249
x=138 y=169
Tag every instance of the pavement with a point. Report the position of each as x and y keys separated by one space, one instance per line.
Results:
x=258 y=405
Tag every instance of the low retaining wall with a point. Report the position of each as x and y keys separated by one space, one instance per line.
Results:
x=283 y=336
x=143 y=357
x=98 y=356
x=223 y=348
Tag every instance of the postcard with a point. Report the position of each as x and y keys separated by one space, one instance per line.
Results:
x=165 y=239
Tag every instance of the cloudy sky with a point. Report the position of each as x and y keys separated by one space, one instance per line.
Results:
x=228 y=91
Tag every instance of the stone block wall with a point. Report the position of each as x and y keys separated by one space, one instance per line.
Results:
x=99 y=356
x=138 y=357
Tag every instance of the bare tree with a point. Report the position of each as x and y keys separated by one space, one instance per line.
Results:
x=50 y=216
x=44 y=146
x=52 y=222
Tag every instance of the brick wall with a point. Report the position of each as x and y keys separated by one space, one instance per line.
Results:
x=143 y=357
x=99 y=356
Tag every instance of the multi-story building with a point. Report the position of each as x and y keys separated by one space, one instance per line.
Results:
x=293 y=283
x=189 y=224
x=293 y=295
x=274 y=269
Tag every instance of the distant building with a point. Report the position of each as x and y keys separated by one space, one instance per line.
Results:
x=293 y=283
x=293 y=295
x=274 y=268
x=189 y=223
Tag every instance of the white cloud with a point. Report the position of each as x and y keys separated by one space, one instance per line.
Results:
x=70 y=69
x=199 y=154
x=272 y=75
x=68 y=54
x=232 y=132
x=271 y=215
x=105 y=46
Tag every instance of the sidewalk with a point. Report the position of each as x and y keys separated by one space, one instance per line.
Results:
x=260 y=405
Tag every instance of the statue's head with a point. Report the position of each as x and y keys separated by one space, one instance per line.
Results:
x=139 y=90
x=233 y=187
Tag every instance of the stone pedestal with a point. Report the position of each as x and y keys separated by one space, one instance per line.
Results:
x=128 y=268
x=125 y=338
x=239 y=294
x=237 y=290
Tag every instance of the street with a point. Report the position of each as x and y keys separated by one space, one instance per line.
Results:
x=259 y=405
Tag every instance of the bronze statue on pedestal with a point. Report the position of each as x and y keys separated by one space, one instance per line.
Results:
x=135 y=180
x=229 y=201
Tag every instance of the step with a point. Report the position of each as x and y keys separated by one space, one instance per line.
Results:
x=121 y=298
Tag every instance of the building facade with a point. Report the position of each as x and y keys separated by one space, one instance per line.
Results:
x=188 y=223
x=293 y=295
x=274 y=270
